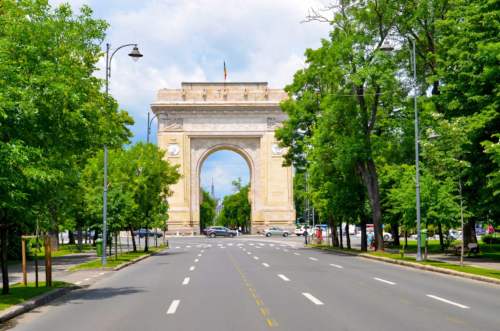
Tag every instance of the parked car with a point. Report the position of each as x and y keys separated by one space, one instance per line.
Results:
x=142 y=233
x=299 y=231
x=220 y=231
x=275 y=231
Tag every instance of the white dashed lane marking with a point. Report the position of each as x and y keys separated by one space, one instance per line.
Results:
x=191 y=268
x=256 y=257
x=313 y=259
x=297 y=254
x=384 y=281
x=265 y=265
x=336 y=266
x=173 y=307
x=314 y=300
x=285 y=278
x=196 y=260
x=435 y=297
x=185 y=281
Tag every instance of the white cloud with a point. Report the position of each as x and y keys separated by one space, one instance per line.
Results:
x=260 y=40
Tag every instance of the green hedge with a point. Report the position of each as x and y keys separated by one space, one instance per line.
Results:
x=490 y=239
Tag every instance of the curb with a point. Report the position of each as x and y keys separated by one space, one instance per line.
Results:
x=421 y=267
x=140 y=258
x=35 y=302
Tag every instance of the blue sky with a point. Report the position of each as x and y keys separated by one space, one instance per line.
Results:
x=188 y=40
x=223 y=167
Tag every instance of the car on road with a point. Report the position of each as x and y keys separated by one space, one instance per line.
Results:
x=299 y=231
x=275 y=231
x=220 y=231
x=143 y=232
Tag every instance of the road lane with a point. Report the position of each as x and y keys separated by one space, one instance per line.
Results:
x=232 y=290
x=352 y=290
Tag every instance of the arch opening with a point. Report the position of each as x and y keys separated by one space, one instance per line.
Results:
x=225 y=188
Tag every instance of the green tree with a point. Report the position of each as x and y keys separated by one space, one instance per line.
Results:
x=207 y=210
x=354 y=81
x=236 y=208
x=470 y=72
x=52 y=110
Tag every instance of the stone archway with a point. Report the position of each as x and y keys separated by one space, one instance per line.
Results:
x=200 y=118
x=204 y=147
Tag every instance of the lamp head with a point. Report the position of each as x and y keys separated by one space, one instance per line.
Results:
x=135 y=54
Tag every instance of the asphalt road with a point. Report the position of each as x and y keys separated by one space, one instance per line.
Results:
x=259 y=284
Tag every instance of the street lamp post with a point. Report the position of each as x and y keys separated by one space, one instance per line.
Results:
x=135 y=55
x=386 y=47
x=150 y=121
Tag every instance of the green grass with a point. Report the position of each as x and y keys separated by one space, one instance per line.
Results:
x=467 y=269
x=20 y=293
x=396 y=256
x=64 y=250
x=113 y=262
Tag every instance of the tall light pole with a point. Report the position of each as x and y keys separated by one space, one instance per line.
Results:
x=417 y=152
x=150 y=121
x=135 y=55
x=386 y=47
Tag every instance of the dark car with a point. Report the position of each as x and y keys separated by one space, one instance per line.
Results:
x=142 y=233
x=219 y=231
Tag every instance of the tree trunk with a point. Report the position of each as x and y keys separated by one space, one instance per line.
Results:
x=341 y=240
x=3 y=258
x=469 y=235
x=441 y=239
x=80 y=238
x=116 y=246
x=71 y=238
x=331 y=223
x=370 y=179
x=395 y=234
x=134 y=246
x=347 y=236
x=364 y=240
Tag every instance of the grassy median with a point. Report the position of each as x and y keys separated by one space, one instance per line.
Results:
x=492 y=273
x=20 y=293
x=113 y=262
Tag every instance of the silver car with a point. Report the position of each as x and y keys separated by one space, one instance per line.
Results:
x=275 y=231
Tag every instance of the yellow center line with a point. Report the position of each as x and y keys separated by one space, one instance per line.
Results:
x=263 y=310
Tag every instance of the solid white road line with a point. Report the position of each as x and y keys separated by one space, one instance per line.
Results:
x=384 y=281
x=336 y=266
x=265 y=265
x=312 y=298
x=296 y=254
x=447 y=301
x=256 y=257
x=185 y=281
x=196 y=260
x=173 y=307
x=313 y=259
x=285 y=278
x=191 y=268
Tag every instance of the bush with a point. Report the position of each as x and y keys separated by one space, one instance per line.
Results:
x=490 y=239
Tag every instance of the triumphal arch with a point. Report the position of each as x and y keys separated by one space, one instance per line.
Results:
x=201 y=118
